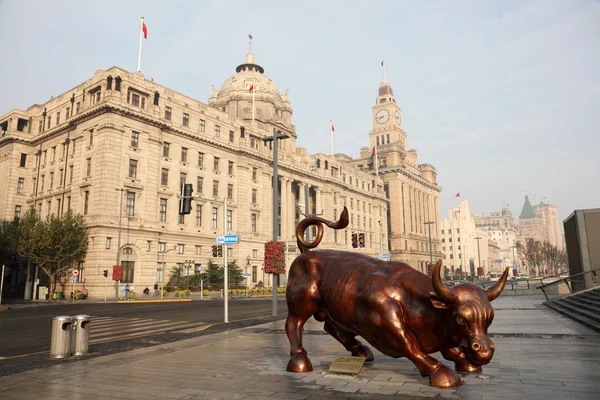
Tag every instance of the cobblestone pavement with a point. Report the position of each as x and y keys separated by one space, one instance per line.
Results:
x=539 y=355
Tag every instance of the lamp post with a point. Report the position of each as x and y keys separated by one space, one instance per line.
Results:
x=275 y=144
x=188 y=264
x=380 y=238
x=162 y=270
x=117 y=282
x=478 y=256
x=428 y=223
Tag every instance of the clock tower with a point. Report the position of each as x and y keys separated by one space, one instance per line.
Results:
x=387 y=120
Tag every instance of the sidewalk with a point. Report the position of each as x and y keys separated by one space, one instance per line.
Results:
x=539 y=355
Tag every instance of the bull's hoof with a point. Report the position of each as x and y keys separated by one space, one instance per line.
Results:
x=363 y=351
x=466 y=367
x=444 y=377
x=299 y=363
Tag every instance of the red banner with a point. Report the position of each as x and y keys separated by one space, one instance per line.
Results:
x=117 y=274
x=274 y=258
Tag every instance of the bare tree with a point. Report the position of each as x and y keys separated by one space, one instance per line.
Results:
x=531 y=251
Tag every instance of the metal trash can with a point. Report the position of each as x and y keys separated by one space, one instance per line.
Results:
x=81 y=334
x=60 y=346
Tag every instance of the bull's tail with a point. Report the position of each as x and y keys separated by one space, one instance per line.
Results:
x=306 y=222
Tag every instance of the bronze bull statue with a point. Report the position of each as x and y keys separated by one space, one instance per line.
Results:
x=397 y=309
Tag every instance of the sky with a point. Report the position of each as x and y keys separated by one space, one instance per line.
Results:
x=502 y=97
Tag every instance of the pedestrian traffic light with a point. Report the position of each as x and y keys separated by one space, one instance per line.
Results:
x=361 y=240
x=105 y=273
x=214 y=250
x=354 y=240
x=185 y=202
x=219 y=251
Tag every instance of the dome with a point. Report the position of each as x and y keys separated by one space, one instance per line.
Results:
x=248 y=75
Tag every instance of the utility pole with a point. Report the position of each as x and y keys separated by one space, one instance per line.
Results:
x=306 y=212
x=225 y=267
x=478 y=257
x=275 y=145
x=1 y=284
x=119 y=241
x=428 y=223
x=380 y=238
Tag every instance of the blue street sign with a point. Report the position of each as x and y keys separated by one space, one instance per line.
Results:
x=200 y=269
x=247 y=275
x=498 y=261
x=227 y=239
x=385 y=256
x=515 y=267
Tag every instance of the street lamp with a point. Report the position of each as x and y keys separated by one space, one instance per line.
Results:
x=478 y=257
x=187 y=265
x=117 y=282
x=428 y=223
x=162 y=269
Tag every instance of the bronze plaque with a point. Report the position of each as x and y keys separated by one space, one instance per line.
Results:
x=347 y=365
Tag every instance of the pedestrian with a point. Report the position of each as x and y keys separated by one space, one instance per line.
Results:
x=156 y=289
x=127 y=291
x=147 y=291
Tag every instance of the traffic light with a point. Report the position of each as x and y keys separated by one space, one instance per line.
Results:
x=354 y=240
x=185 y=202
x=219 y=251
x=361 y=240
x=214 y=250
x=105 y=273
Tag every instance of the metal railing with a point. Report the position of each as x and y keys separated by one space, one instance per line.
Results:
x=571 y=284
x=513 y=284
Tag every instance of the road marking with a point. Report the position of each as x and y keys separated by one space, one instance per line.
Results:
x=192 y=330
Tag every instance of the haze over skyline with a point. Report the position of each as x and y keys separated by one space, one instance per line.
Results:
x=501 y=97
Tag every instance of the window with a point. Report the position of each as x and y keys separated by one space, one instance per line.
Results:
x=91 y=138
x=108 y=240
x=184 y=152
x=89 y=167
x=181 y=219
x=254 y=273
x=168 y=113
x=42 y=183
x=186 y=119
x=214 y=223
x=388 y=137
x=216 y=164
x=253 y=222
x=53 y=153
x=198 y=215
x=44 y=157
x=135 y=139
x=133 y=168
x=217 y=131
x=17 y=211
x=58 y=118
x=199 y=184
x=51 y=180
x=161 y=247
x=77 y=107
x=70 y=173
x=254 y=173
x=86 y=202
x=130 y=205
x=230 y=220
x=68 y=112
x=128 y=268
x=49 y=120
x=164 y=177
x=254 y=192
x=230 y=168
x=182 y=179
x=230 y=191
x=163 y=210
x=198 y=250
x=216 y=188
x=201 y=160
x=23 y=161
x=254 y=253
x=180 y=248
x=166 y=149
x=202 y=125
x=148 y=245
x=20 y=184
x=231 y=136
x=136 y=100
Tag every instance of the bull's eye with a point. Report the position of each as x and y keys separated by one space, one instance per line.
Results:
x=460 y=320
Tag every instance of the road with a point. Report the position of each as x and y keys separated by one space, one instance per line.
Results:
x=24 y=331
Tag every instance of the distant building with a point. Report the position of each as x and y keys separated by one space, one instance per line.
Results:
x=540 y=222
x=582 y=232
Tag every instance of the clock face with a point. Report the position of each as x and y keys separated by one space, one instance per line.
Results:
x=397 y=116
x=382 y=116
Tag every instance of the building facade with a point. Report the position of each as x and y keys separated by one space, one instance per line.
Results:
x=119 y=144
x=414 y=211
x=540 y=222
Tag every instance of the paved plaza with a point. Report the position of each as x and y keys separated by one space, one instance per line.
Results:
x=539 y=355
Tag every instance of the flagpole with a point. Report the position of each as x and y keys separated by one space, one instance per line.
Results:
x=376 y=163
x=331 y=134
x=253 y=91
x=140 y=50
x=383 y=65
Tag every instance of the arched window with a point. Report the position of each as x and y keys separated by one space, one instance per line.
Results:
x=109 y=80
x=326 y=164
x=318 y=163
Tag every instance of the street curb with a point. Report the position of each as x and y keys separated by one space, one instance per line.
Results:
x=155 y=301
x=261 y=296
x=2 y=308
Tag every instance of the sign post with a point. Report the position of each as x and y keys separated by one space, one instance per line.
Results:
x=2 y=284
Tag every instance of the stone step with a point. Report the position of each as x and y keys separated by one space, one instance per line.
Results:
x=579 y=310
x=592 y=294
x=585 y=300
x=576 y=301
x=590 y=323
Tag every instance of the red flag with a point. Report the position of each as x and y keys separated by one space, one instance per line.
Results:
x=457 y=194
x=382 y=62
x=251 y=88
x=250 y=36
x=373 y=151
x=332 y=127
x=145 y=30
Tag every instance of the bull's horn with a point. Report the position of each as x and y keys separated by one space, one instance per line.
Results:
x=495 y=290
x=444 y=292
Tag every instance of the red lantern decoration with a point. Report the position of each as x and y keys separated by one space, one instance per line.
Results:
x=274 y=258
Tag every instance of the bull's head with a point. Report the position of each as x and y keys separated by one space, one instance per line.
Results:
x=468 y=314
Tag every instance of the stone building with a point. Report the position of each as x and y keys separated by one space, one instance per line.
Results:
x=411 y=187
x=540 y=222
x=119 y=137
